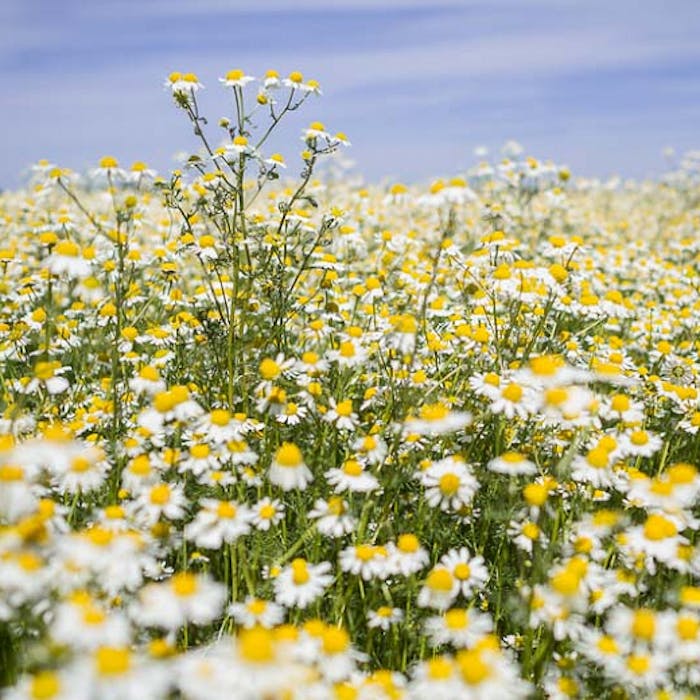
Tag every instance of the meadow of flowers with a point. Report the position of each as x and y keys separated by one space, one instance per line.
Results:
x=268 y=434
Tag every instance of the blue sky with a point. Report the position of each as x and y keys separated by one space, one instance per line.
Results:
x=601 y=85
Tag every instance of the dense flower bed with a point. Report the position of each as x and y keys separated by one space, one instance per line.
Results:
x=310 y=439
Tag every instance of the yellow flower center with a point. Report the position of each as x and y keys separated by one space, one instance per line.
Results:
x=184 y=584
x=112 y=661
x=565 y=582
x=512 y=393
x=108 y=162
x=620 y=403
x=439 y=669
x=644 y=624
x=352 y=467
x=267 y=511
x=289 y=455
x=335 y=640
x=93 y=616
x=336 y=505
x=347 y=349
x=597 y=458
x=344 y=408
x=472 y=667
x=546 y=365
x=639 y=438
x=434 y=411
x=638 y=663
x=300 y=572
x=80 y=464
x=449 y=484
x=201 y=451
x=256 y=645
x=408 y=543
x=531 y=531
x=457 y=619
x=160 y=494
x=607 y=645
x=220 y=417
x=661 y=488
x=141 y=465
x=687 y=628
x=536 y=494
x=257 y=606
x=44 y=685
x=556 y=396
x=226 y=509
x=657 y=527
x=439 y=580
x=9 y=472
x=462 y=571
x=149 y=373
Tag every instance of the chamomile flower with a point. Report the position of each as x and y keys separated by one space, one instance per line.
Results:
x=366 y=560
x=333 y=517
x=384 y=617
x=449 y=484
x=659 y=537
x=147 y=381
x=66 y=259
x=314 y=131
x=437 y=419
x=184 y=598
x=514 y=399
x=512 y=464
x=470 y=572
x=218 y=522
x=183 y=83
x=639 y=443
x=300 y=583
x=371 y=448
x=266 y=513
x=352 y=476
x=459 y=627
x=160 y=500
x=407 y=555
x=525 y=534
x=439 y=590
x=81 y=623
x=341 y=414
x=236 y=78
x=254 y=612
x=68 y=683
x=288 y=470
x=595 y=468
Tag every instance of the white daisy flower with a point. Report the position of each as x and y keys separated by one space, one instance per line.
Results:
x=459 y=627
x=236 y=78
x=184 y=598
x=332 y=517
x=512 y=464
x=353 y=477
x=288 y=470
x=266 y=513
x=366 y=560
x=449 y=484
x=470 y=572
x=300 y=583
x=218 y=522
x=254 y=612
x=384 y=617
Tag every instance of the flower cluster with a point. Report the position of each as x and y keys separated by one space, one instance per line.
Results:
x=293 y=438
